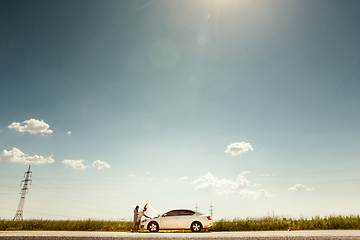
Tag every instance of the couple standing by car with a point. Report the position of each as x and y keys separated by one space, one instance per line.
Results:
x=137 y=218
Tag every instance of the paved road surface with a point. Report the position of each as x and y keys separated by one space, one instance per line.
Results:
x=283 y=235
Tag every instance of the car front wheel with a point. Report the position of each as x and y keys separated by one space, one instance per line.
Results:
x=153 y=227
x=196 y=227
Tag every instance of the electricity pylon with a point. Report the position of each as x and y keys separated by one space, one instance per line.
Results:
x=211 y=210
x=24 y=191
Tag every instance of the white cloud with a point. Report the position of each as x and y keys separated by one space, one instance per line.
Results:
x=184 y=178
x=239 y=185
x=132 y=175
x=147 y=172
x=261 y=193
x=15 y=155
x=300 y=187
x=74 y=164
x=32 y=126
x=68 y=133
x=237 y=148
x=100 y=164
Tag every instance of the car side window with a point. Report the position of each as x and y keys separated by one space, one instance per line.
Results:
x=173 y=213
x=186 y=213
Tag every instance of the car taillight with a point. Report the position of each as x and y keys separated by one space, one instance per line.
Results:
x=208 y=217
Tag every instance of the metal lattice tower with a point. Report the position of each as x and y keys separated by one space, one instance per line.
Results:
x=196 y=207
x=211 y=210
x=24 y=191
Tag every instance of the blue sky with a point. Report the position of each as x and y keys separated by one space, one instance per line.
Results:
x=252 y=106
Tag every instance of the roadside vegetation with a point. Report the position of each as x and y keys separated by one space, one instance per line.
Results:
x=276 y=223
x=68 y=225
x=249 y=224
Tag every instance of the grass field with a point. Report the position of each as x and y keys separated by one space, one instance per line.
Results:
x=68 y=225
x=275 y=223
x=250 y=224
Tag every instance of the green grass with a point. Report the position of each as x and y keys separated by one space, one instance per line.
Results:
x=275 y=223
x=68 y=225
x=249 y=224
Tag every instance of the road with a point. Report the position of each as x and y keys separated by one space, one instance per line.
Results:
x=283 y=235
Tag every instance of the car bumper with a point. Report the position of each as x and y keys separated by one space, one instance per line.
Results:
x=207 y=225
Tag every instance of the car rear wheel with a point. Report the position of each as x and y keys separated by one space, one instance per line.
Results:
x=196 y=227
x=153 y=227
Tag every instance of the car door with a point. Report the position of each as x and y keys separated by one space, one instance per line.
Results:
x=185 y=218
x=170 y=220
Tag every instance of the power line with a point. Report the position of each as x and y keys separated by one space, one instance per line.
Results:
x=24 y=191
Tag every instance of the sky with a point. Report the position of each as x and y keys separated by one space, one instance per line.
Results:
x=249 y=106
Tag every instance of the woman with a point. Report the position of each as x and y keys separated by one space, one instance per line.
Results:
x=136 y=222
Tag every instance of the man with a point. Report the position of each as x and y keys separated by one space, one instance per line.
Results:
x=141 y=213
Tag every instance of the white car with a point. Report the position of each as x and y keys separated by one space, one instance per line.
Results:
x=178 y=219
